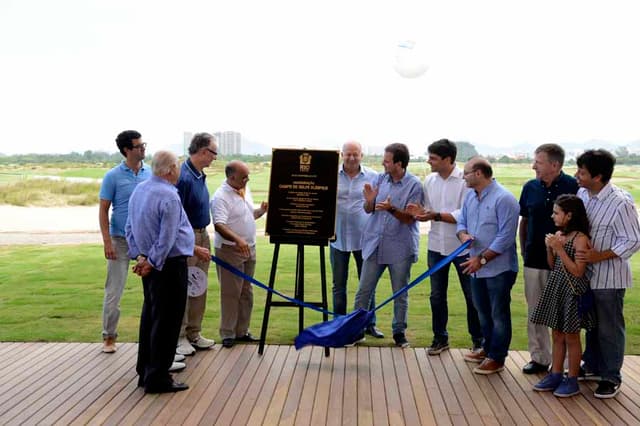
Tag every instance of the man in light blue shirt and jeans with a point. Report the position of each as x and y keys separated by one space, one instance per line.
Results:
x=350 y=221
x=391 y=235
x=490 y=218
x=117 y=186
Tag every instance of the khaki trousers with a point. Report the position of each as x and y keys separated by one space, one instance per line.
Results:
x=535 y=280
x=195 y=307
x=236 y=294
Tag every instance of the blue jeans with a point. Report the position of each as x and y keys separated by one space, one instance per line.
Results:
x=492 y=298
x=438 y=299
x=340 y=268
x=400 y=273
x=604 y=349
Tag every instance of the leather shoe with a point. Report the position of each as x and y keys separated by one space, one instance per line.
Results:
x=228 y=342
x=247 y=338
x=533 y=367
x=170 y=387
x=372 y=330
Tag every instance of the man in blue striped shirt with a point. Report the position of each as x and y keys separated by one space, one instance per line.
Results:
x=615 y=236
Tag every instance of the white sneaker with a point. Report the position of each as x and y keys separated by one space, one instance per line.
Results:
x=202 y=342
x=177 y=366
x=184 y=347
x=178 y=358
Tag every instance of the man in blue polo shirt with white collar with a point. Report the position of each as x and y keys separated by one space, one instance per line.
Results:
x=194 y=194
x=117 y=186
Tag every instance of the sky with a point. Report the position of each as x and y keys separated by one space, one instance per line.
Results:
x=74 y=73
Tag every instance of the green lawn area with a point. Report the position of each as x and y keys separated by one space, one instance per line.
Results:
x=54 y=293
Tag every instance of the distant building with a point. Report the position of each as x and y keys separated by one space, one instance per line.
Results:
x=186 y=141
x=229 y=142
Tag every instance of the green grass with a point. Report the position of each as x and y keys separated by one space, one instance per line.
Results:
x=54 y=293
x=47 y=193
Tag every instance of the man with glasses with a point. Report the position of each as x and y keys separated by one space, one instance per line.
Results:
x=194 y=194
x=116 y=188
x=490 y=218
x=234 y=217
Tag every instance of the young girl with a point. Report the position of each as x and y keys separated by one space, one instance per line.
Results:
x=558 y=306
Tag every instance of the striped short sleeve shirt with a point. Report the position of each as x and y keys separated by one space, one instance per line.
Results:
x=614 y=226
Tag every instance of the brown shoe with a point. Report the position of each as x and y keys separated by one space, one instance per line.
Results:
x=489 y=366
x=477 y=355
x=109 y=345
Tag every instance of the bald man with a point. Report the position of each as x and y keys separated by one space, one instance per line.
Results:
x=350 y=222
x=234 y=219
x=490 y=218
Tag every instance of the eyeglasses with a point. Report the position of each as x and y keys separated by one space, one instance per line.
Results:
x=468 y=173
x=143 y=145
x=211 y=151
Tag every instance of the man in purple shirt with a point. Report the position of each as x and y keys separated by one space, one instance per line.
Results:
x=391 y=236
x=490 y=218
x=160 y=238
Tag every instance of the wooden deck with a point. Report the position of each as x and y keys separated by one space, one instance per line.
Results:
x=74 y=383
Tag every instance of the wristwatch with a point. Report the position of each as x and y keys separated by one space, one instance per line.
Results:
x=483 y=260
x=437 y=217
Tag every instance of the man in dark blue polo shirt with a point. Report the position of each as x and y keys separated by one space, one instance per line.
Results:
x=536 y=206
x=194 y=194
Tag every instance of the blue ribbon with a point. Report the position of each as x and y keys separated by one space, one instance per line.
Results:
x=404 y=289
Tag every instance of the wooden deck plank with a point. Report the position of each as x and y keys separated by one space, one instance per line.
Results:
x=292 y=400
x=224 y=362
x=378 y=399
x=263 y=401
x=78 y=403
x=350 y=390
x=23 y=375
x=336 y=391
x=281 y=390
x=241 y=401
x=469 y=385
x=320 y=406
x=391 y=390
x=25 y=400
x=418 y=388
x=75 y=383
x=364 y=389
x=309 y=388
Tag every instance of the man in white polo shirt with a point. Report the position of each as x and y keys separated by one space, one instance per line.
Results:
x=234 y=219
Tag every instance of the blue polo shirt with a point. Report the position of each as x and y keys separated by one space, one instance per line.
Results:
x=536 y=204
x=117 y=186
x=194 y=194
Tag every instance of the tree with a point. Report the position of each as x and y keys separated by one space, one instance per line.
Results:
x=466 y=150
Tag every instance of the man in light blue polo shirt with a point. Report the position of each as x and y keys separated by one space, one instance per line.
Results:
x=117 y=186
x=350 y=221
x=391 y=235
x=490 y=218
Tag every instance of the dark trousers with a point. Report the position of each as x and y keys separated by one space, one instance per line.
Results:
x=438 y=300
x=165 y=296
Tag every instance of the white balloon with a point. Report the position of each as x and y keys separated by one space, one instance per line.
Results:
x=410 y=60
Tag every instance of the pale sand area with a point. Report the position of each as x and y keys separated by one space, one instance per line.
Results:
x=58 y=225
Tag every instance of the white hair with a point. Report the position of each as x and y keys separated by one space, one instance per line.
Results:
x=162 y=162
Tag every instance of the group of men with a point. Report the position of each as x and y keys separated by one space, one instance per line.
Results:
x=377 y=223
x=159 y=219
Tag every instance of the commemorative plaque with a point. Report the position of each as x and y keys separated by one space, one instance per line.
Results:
x=303 y=191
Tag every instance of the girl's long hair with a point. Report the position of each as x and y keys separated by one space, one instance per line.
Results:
x=579 y=221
